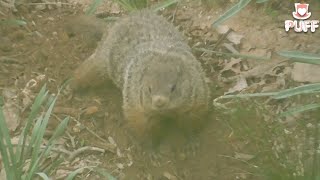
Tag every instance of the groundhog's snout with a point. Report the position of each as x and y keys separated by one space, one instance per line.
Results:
x=159 y=102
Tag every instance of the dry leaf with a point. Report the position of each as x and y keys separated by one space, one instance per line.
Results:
x=91 y=110
x=169 y=176
x=240 y=85
x=242 y=156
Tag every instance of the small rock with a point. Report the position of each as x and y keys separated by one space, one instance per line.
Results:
x=40 y=7
x=169 y=176
x=50 y=18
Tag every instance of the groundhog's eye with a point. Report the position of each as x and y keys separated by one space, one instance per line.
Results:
x=173 y=87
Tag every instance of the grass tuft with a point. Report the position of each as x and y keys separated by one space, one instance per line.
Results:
x=28 y=152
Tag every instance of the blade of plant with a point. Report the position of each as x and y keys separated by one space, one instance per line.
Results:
x=300 y=109
x=13 y=22
x=57 y=133
x=33 y=149
x=308 y=61
x=299 y=55
x=261 y=1
x=43 y=176
x=125 y=4
x=59 y=130
x=4 y=149
x=35 y=108
x=39 y=137
x=231 y=12
x=302 y=57
x=93 y=7
x=55 y=163
x=305 y=89
x=5 y=135
x=164 y=4
x=245 y=56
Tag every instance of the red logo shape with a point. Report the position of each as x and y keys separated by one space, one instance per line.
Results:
x=301 y=11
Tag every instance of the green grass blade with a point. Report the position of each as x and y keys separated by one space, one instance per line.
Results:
x=60 y=129
x=34 y=135
x=93 y=7
x=4 y=150
x=125 y=4
x=35 y=108
x=261 y=1
x=164 y=4
x=13 y=22
x=43 y=176
x=307 y=61
x=300 y=109
x=305 y=89
x=57 y=133
x=55 y=163
x=299 y=55
x=302 y=57
x=34 y=164
x=6 y=141
x=231 y=12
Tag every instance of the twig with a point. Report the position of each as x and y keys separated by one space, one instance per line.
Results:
x=225 y=156
x=77 y=152
x=221 y=39
x=175 y=11
x=49 y=3
x=232 y=55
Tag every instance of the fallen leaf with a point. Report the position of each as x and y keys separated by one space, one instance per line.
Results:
x=242 y=156
x=240 y=85
x=91 y=110
x=169 y=176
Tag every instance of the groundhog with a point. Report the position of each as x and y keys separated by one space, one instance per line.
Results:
x=162 y=83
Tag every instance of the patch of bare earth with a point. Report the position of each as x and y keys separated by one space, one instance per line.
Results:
x=55 y=41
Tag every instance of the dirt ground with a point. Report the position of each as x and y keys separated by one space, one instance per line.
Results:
x=54 y=42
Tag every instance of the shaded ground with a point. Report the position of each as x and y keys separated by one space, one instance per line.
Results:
x=53 y=44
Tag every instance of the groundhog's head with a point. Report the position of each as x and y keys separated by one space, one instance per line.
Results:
x=165 y=84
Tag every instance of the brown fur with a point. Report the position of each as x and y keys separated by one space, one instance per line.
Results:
x=149 y=60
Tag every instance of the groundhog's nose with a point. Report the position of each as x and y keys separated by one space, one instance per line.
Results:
x=159 y=101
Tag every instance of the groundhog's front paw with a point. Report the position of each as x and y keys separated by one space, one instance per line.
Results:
x=190 y=149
